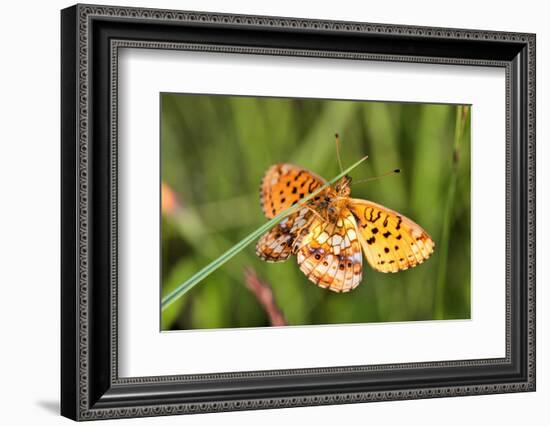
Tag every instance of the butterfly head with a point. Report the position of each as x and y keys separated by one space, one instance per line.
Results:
x=343 y=186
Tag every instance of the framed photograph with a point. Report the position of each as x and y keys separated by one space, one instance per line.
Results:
x=263 y=212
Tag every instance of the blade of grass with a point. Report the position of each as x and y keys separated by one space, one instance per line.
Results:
x=211 y=267
x=439 y=302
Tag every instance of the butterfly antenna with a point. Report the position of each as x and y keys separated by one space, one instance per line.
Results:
x=390 y=173
x=337 y=136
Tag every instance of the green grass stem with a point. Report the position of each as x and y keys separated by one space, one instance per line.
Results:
x=439 y=301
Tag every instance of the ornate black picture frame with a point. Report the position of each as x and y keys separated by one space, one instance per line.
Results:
x=91 y=36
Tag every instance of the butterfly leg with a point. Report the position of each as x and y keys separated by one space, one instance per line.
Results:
x=315 y=212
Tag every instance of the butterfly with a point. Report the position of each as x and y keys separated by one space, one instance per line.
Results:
x=331 y=231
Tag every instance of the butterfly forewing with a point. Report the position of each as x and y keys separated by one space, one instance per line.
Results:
x=285 y=185
x=391 y=241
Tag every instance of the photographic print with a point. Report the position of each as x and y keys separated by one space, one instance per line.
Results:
x=296 y=212
x=388 y=241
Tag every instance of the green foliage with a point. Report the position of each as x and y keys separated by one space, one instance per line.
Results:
x=214 y=152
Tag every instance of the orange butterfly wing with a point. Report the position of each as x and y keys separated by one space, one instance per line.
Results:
x=391 y=242
x=284 y=185
x=330 y=254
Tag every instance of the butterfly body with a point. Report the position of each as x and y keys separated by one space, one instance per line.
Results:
x=329 y=233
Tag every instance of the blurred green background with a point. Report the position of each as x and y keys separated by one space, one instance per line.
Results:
x=214 y=152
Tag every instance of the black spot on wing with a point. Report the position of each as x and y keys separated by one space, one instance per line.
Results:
x=399 y=220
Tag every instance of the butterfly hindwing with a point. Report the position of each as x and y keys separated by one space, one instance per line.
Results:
x=391 y=241
x=330 y=253
x=277 y=244
x=284 y=185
